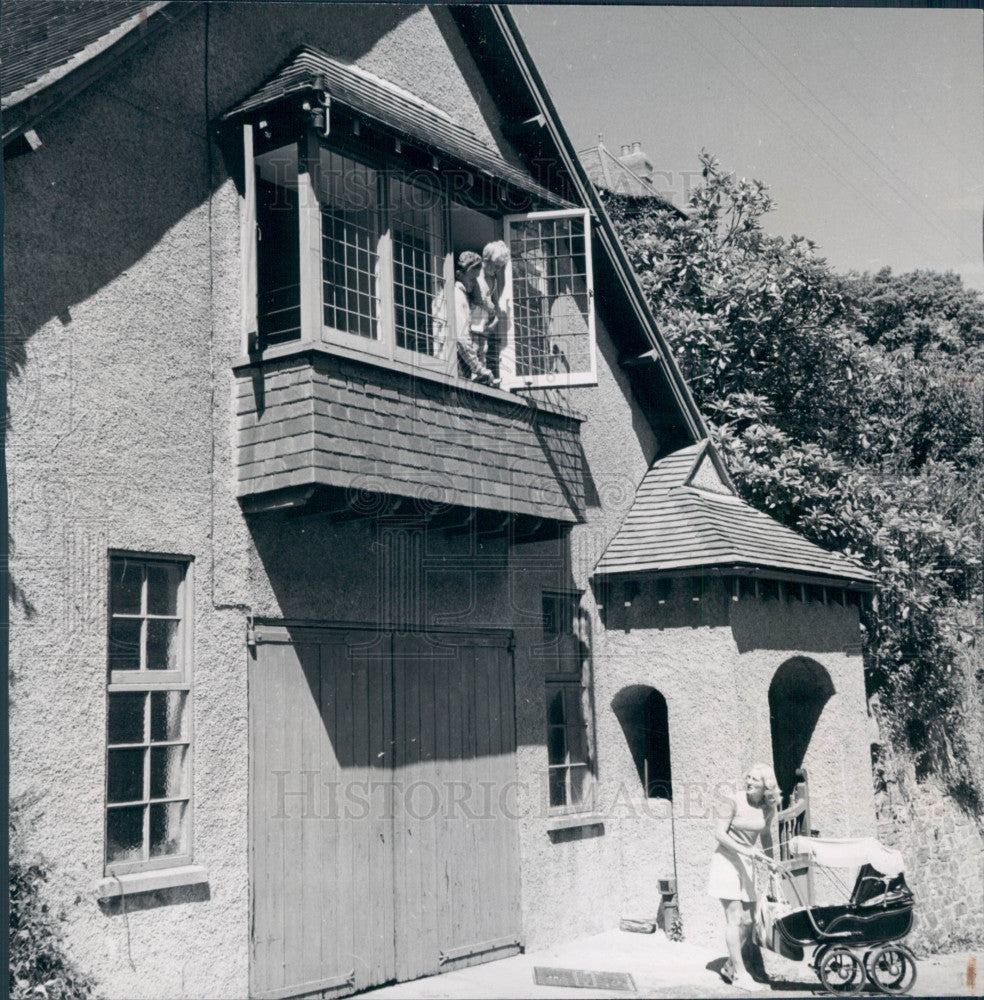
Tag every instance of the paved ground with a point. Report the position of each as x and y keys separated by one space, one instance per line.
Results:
x=659 y=969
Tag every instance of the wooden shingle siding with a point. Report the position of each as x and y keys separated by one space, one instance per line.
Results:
x=335 y=422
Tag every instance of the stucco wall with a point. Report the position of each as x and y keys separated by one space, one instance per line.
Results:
x=122 y=290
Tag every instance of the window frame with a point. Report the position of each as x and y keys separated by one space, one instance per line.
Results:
x=147 y=682
x=570 y=687
x=510 y=377
x=560 y=655
x=313 y=331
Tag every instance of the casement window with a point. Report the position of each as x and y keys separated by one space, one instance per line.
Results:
x=359 y=252
x=149 y=725
x=570 y=780
x=568 y=761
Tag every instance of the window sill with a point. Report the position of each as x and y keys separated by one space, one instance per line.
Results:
x=571 y=820
x=150 y=881
x=243 y=362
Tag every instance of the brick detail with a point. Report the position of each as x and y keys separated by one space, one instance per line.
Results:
x=338 y=422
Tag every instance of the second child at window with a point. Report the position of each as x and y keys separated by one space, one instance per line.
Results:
x=469 y=264
x=487 y=310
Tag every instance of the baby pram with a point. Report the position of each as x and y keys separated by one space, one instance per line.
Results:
x=854 y=940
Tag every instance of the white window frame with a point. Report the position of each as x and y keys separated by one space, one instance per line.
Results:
x=146 y=682
x=313 y=329
x=510 y=377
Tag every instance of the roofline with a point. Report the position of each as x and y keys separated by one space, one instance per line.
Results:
x=734 y=568
x=24 y=108
x=654 y=196
x=605 y=229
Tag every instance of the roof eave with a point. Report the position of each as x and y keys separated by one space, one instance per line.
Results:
x=605 y=229
x=24 y=109
x=861 y=580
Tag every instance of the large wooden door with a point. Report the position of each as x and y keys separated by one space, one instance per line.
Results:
x=382 y=844
x=320 y=829
x=455 y=839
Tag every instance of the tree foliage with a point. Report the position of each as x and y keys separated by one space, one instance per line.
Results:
x=40 y=968
x=848 y=407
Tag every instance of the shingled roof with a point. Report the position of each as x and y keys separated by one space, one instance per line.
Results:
x=608 y=173
x=51 y=50
x=40 y=37
x=380 y=101
x=686 y=515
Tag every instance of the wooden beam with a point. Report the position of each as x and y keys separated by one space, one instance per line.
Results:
x=309 y=222
x=247 y=245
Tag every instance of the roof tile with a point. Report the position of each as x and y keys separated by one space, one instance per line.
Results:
x=673 y=524
x=37 y=36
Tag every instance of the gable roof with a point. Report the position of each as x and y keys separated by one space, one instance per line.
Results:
x=608 y=173
x=310 y=69
x=687 y=515
x=515 y=83
x=507 y=69
x=51 y=49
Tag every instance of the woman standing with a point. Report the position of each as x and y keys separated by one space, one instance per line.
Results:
x=746 y=820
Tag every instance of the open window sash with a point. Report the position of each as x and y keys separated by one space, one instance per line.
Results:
x=549 y=301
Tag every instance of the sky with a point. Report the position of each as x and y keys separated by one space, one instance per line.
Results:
x=867 y=125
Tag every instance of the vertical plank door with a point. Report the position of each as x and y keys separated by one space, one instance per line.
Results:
x=455 y=832
x=320 y=820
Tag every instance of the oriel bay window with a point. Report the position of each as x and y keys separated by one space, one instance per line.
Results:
x=148 y=755
x=357 y=249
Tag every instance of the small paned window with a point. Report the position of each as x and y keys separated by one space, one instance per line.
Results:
x=148 y=738
x=552 y=339
x=568 y=760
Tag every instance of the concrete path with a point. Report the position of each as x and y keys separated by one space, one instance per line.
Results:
x=659 y=968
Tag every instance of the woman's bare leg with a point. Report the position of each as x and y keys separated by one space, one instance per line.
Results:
x=733 y=912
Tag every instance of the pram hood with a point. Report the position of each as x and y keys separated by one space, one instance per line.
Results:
x=843 y=853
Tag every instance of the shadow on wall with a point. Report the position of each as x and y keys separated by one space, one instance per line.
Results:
x=642 y=713
x=130 y=158
x=687 y=602
x=769 y=622
x=118 y=173
x=799 y=691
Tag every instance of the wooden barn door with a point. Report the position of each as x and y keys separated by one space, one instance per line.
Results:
x=321 y=828
x=456 y=842
x=382 y=841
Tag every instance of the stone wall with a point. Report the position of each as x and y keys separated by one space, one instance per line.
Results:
x=943 y=848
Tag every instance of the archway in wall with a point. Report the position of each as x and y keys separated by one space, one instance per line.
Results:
x=798 y=693
x=642 y=713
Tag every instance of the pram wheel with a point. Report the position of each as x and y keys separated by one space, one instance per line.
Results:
x=892 y=968
x=841 y=971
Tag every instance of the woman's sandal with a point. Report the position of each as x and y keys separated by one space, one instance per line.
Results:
x=727 y=972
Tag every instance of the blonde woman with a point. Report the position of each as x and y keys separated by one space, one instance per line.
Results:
x=745 y=821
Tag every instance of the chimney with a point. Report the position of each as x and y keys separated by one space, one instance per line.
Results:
x=637 y=161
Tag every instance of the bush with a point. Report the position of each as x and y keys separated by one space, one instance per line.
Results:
x=40 y=968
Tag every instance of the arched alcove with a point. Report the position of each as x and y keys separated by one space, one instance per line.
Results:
x=642 y=713
x=798 y=693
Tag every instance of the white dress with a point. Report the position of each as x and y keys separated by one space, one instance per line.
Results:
x=731 y=875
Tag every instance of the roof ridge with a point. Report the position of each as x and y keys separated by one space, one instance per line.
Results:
x=627 y=169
